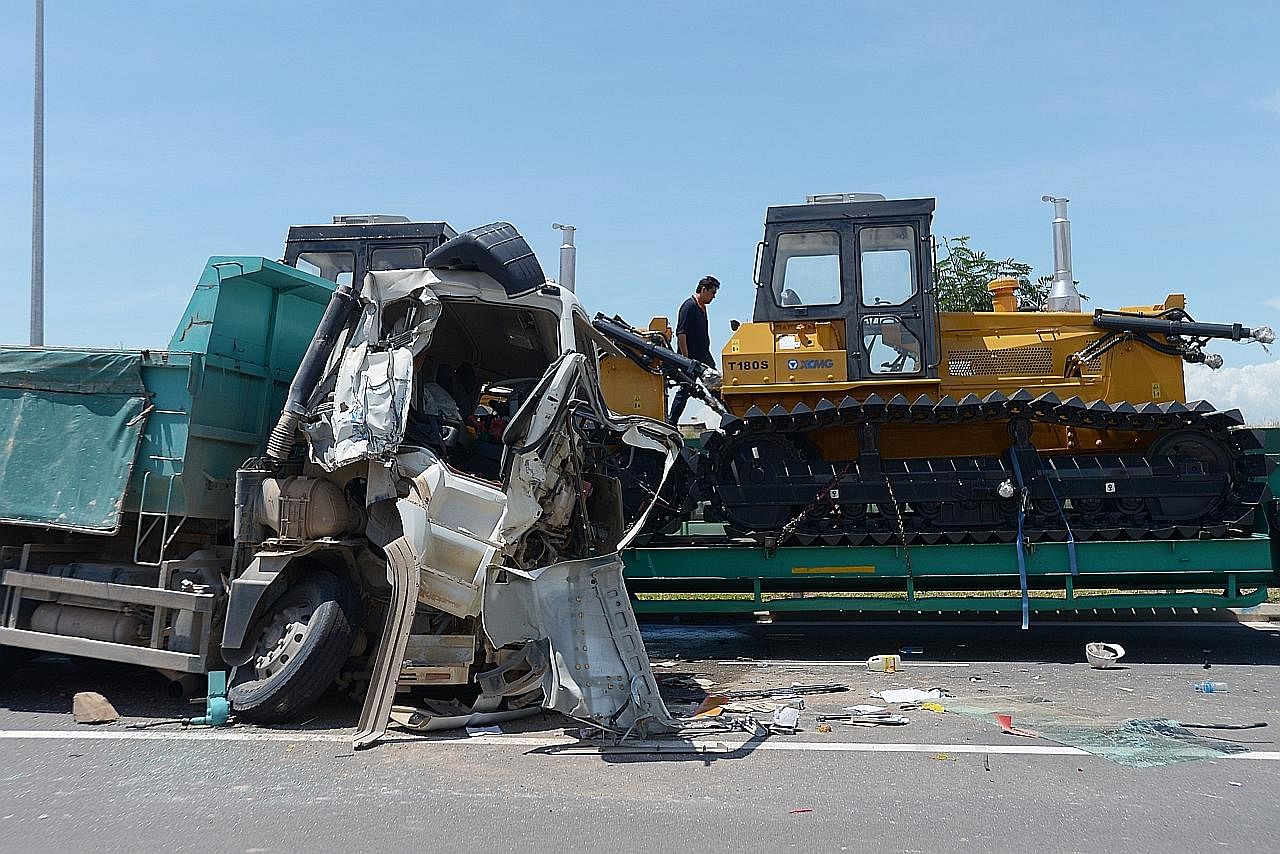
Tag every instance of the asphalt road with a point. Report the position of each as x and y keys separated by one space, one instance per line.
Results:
x=943 y=781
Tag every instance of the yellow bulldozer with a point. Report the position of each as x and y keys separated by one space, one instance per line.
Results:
x=854 y=411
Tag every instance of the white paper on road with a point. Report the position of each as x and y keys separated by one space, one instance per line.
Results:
x=908 y=695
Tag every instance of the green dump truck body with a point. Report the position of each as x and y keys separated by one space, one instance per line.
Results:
x=95 y=434
x=117 y=470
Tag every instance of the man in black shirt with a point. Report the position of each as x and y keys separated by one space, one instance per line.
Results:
x=693 y=339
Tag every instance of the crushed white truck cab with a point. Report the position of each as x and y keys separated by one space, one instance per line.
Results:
x=452 y=529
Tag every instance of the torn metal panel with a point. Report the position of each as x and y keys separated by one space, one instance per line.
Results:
x=428 y=718
x=458 y=526
x=542 y=454
x=451 y=528
x=598 y=668
x=438 y=660
x=372 y=383
x=402 y=576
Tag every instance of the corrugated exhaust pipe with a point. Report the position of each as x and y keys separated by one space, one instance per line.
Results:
x=1063 y=295
x=343 y=302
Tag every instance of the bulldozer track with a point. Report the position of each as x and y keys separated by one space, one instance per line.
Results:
x=1201 y=475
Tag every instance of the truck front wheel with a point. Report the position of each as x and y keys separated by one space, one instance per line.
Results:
x=300 y=644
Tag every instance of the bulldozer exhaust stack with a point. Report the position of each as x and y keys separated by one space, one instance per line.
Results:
x=1063 y=295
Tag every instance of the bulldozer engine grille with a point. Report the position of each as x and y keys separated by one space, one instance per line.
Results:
x=1017 y=361
x=1093 y=366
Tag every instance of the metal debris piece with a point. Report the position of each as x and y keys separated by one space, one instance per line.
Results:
x=868 y=720
x=444 y=715
x=789 y=691
x=786 y=720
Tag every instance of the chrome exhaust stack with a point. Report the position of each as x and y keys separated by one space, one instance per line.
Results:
x=1063 y=295
x=568 y=258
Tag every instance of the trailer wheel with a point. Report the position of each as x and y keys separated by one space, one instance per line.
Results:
x=300 y=645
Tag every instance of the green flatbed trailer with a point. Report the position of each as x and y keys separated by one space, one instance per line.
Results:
x=700 y=571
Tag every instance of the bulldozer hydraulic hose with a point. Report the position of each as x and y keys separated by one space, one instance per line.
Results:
x=1127 y=322
x=671 y=361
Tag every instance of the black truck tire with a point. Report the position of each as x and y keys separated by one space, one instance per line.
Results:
x=332 y=609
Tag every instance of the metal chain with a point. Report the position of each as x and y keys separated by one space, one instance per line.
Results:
x=902 y=529
x=789 y=528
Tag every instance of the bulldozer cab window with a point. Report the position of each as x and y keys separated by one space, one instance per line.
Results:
x=806 y=269
x=337 y=267
x=891 y=347
x=887 y=264
x=396 y=258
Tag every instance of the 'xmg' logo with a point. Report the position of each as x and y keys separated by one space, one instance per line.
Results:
x=797 y=364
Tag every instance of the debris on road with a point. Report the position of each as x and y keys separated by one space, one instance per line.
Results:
x=1255 y=725
x=884 y=663
x=1006 y=726
x=910 y=695
x=1207 y=687
x=794 y=690
x=786 y=721
x=90 y=707
x=1135 y=743
x=441 y=715
x=868 y=720
x=1103 y=655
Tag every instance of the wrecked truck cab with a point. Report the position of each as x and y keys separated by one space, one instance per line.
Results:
x=470 y=515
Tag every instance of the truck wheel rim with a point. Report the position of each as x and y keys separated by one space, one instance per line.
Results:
x=281 y=640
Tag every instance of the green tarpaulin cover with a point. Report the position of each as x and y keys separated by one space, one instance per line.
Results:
x=70 y=425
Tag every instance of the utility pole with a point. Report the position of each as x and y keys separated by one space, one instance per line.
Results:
x=37 y=190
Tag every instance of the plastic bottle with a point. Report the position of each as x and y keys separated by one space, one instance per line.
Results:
x=1207 y=687
x=884 y=663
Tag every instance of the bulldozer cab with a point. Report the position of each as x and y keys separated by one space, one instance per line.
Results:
x=862 y=260
x=351 y=246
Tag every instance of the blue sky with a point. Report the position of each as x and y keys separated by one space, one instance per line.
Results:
x=662 y=130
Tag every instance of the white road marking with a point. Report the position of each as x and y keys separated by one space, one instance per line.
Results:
x=783 y=662
x=701 y=745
